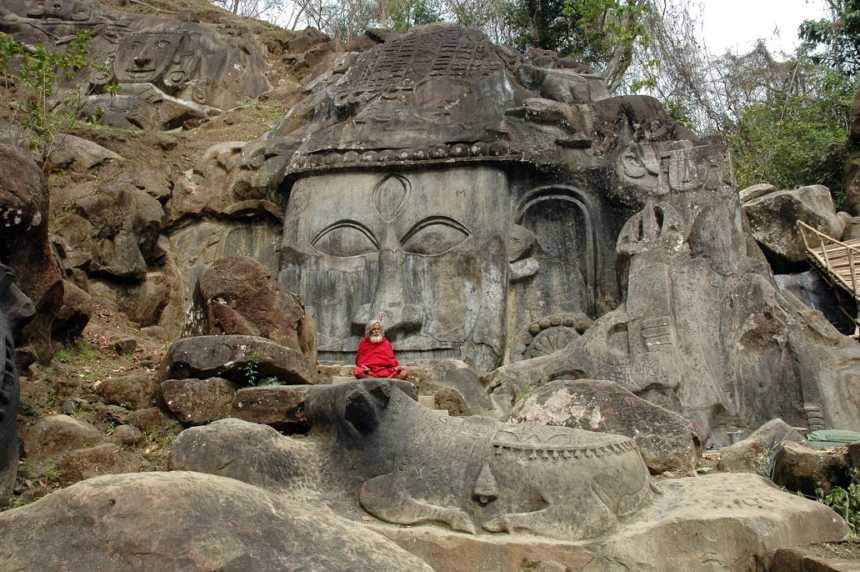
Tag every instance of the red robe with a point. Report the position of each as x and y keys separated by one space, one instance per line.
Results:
x=378 y=357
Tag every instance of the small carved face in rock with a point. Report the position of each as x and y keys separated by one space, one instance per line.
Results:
x=147 y=57
x=426 y=250
x=69 y=10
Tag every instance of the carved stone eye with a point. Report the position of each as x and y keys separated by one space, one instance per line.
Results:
x=161 y=44
x=344 y=239
x=434 y=235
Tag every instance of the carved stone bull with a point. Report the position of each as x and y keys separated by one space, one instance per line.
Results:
x=411 y=465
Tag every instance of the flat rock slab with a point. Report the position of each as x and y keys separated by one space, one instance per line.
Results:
x=273 y=405
x=187 y=522
x=199 y=401
x=829 y=557
x=232 y=357
x=729 y=522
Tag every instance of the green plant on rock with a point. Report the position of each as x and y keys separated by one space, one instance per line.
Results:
x=37 y=72
x=845 y=501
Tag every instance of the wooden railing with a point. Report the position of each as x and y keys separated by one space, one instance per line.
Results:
x=837 y=259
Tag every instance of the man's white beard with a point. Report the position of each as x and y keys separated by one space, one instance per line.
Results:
x=376 y=339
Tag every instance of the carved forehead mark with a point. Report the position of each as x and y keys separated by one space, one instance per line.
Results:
x=389 y=196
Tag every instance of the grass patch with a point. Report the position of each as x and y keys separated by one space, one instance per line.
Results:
x=81 y=352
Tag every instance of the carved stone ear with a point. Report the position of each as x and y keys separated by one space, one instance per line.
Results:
x=380 y=390
x=360 y=411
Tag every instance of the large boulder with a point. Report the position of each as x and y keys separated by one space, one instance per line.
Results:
x=755 y=453
x=248 y=452
x=72 y=152
x=121 y=522
x=799 y=467
x=773 y=220
x=59 y=434
x=199 y=401
x=665 y=439
x=25 y=247
x=133 y=391
x=114 y=232
x=245 y=360
x=237 y=295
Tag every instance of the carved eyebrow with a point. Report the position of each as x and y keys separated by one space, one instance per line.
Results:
x=346 y=223
x=439 y=219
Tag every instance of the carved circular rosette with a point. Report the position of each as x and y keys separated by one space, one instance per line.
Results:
x=550 y=334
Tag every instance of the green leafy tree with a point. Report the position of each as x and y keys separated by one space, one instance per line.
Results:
x=602 y=33
x=835 y=42
x=36 y=72
x=797 y=138
x=405 y=14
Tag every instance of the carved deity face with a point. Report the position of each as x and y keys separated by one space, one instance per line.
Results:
x=425 y=249
x=147 y=56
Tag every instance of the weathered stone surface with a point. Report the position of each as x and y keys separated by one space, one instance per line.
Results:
x=236 y=295
x=134 y=391
x=799 y=467
x=735 y=520
x=71 y=152
x=248 y=452
x=773 y=219
x=755 y=191
x=25 y=248
x=272 y=405
x=816 y=293
x=199 y=401
x=719 y=522
x=192 y=249
x=14 y=308
x=127 y=435
x=74 y=314
x=829 y=557
x=665 y=439
x=151 y=420
x=59 y=433
x=754 y=453
x=113 y=232
x=107 y=524
x=230 y=357
x=144 y=302
x=80 y=464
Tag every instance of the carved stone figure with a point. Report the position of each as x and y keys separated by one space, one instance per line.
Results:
x=159 y=71
x=15 y=308
x=474 y=474
x=507 y=211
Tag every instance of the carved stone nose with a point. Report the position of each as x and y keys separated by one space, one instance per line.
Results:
x=141 y=61
x=389 y=299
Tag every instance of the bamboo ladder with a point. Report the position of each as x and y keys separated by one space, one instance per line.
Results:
x=838 y=261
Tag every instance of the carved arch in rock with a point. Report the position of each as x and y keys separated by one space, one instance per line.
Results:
x=562 y=219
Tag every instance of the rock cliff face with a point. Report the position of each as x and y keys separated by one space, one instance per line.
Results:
x=567 y=263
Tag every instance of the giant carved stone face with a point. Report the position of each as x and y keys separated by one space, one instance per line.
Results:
x=147 y=57
x=424 y=248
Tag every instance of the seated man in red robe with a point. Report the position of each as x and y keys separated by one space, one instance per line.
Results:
x=375 y=356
